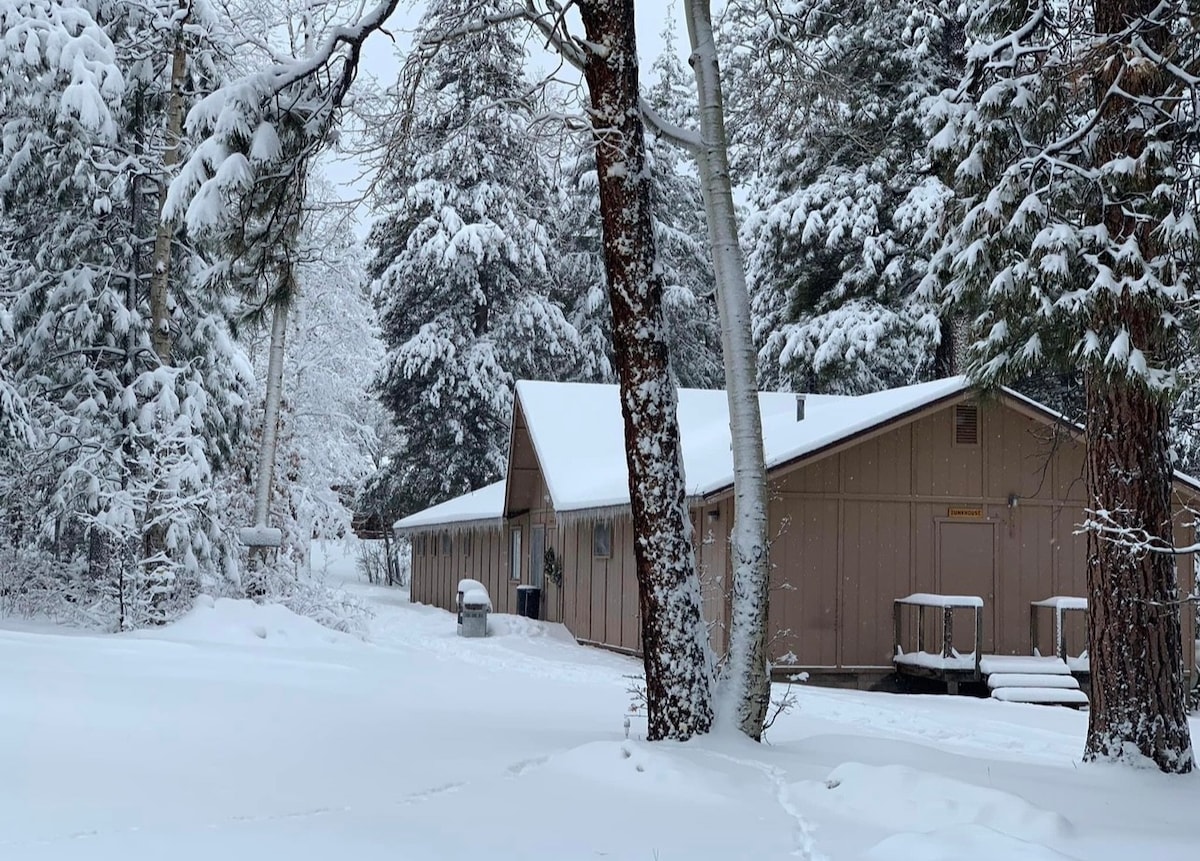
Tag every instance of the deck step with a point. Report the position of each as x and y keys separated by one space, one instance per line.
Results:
x=1032 y=680
x=1042 y=696
x=1023 y=664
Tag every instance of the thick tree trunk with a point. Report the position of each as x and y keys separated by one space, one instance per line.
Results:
x=160 y=312
x=674 y=640
x=1134 y=636
x=1139 y=698
x=745 y=691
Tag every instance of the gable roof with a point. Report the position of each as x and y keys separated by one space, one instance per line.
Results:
x=578 y=433
x=578 y=436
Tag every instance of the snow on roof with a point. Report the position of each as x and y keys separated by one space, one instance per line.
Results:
x=578 y=433
x=487 y=503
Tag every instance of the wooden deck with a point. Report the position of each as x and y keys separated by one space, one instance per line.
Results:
x=1034 y=678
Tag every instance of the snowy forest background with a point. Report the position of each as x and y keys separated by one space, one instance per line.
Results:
x=154 y=224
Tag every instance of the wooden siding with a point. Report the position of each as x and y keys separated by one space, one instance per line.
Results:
x=854 y=530
x=873 y=522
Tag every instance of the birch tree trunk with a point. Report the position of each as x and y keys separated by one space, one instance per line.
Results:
x=677 y=658
x=1139 y=699
x=270 y=435
x=160 y=316
x=745 y=688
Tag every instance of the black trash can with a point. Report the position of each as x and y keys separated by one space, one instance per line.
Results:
x=529 y=602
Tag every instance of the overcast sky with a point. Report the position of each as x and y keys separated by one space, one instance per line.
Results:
x=382 y=59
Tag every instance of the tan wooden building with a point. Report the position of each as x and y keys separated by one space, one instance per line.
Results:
x=928 y=490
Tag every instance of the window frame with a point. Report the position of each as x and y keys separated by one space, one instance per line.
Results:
x=514 y=554
x=602 y=527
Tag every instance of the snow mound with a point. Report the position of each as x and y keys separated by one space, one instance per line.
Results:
x=631 y=766
x=242 y=622
x=958 y=842
x=902 y=799
x=507 y=625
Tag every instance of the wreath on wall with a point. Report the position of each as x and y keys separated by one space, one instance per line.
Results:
x=552 y=568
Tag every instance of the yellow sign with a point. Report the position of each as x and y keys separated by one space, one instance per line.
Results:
x=965 y=513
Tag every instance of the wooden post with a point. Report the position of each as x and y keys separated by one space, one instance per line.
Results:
x=947 y=631
x=920 y=627
x=1060 y=636
x=978 y=639
x=897 y=609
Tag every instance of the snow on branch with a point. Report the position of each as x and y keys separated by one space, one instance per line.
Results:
x=1133 y=538
x=254 y=134
x=549 y=17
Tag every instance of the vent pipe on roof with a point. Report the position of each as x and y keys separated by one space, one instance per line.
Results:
x=800 y=408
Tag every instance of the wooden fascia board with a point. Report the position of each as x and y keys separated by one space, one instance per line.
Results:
x=1184 y=486
x=838 y=446
x=512 y=441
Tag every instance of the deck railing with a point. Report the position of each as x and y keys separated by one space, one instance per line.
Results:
x=1060 y=605
x=946 y=658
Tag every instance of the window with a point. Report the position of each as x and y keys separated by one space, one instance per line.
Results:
x=966 y=424
x=418 y=543
x=465 y=544
x=514 y=554
x=602 y=539
x=447 y=544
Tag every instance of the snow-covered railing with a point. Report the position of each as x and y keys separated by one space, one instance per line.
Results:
x=946 y=658
x=1060 y=605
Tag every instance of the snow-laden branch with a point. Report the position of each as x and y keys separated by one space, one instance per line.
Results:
x=238 y=127
x=1133 y=538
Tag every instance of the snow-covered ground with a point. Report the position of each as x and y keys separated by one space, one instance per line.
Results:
x=245 y=732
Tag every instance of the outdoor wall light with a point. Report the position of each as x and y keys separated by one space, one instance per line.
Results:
x=1013 y=500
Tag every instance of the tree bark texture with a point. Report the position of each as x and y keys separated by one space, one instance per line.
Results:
x=745 y=688
x=677 y=658
x=270 y=435
x=1139 y=697
x=1138 y=703
x=160 y=276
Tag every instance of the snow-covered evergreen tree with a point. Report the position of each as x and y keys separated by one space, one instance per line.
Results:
x=333 y=424
x=463 y=265
x=828 y=100
x=120 y=482
x=1072 y=247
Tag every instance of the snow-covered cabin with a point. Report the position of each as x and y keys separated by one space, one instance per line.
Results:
x=931 y=488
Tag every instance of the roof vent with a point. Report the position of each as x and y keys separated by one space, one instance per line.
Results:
x=800 y=408
x=966 y=424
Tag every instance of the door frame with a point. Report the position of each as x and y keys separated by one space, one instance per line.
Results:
x=989 y=619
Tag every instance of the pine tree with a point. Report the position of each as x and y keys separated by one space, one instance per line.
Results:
x=127 y=442
x=1071 y=248
x=676 y=657
x=332 y=421
x=829 y=99
x=463 y=263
